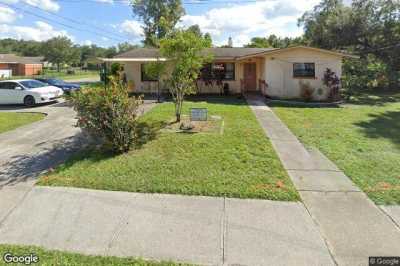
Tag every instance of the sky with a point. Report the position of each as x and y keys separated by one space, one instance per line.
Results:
x=109 y=22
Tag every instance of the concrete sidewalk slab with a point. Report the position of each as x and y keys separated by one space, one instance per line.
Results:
x=293 y=155
x=272 y=233
x=317 y=180
x=353 y=226
x=177 y=228
x=393 y=212
x=10 y=197
x=321 y=162
x=162 y=227
x=196 y=230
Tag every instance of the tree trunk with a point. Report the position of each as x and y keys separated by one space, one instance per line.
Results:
x=58 y=67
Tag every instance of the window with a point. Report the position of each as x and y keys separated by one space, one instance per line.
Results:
x=145 y=76
x=304 y=70
x=220 y=71
x=8 y=85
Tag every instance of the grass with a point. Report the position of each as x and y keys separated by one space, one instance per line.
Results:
x=362 y=138
x=79 y=74
x=10 y=121
x=53 y=258
x=239 y=163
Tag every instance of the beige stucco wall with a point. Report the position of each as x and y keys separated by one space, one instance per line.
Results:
x=279 y=72
x=133 y=73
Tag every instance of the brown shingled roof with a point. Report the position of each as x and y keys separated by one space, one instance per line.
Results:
x=217 y=52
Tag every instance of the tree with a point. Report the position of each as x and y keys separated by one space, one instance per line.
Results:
x=258 y=42
x=368 y=27
x=155 y=71
x=275 y=42
x=59 y=50
x=158 y=16
x=125 y=46
x=184 y=51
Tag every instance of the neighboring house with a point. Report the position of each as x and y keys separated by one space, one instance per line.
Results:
x=20 y=66
x=279 y=73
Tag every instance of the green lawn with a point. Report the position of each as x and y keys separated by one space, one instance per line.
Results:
x=362 y=138
x=239 y=163
x=79 y=74
x=52 y=258
x=10 y=121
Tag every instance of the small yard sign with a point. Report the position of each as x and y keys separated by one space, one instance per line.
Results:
x=198 y=114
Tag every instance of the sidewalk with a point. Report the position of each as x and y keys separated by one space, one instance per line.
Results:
x=199 y=230
x=351 y=224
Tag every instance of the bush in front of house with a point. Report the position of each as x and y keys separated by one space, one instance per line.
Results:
x=332 y=82
x=108 y=114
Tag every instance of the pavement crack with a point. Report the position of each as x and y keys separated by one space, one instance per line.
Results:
x=321 y=234
x=119 y=227
x=15 y=206
x=390 y=217
x=224 y=225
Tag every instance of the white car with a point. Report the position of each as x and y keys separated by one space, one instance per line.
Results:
x=28 y=92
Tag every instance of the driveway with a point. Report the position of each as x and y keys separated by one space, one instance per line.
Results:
x=28 y=151
x=32 y=149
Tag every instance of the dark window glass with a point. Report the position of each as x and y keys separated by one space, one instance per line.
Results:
x=145 y=76
x=219 y=71
x=8 y=85
x=304 y=70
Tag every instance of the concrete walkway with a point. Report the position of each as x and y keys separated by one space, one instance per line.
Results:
x=200 y=230
x=352 y=225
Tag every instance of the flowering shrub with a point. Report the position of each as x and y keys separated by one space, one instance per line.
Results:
x=332 y=81
x=108 y=114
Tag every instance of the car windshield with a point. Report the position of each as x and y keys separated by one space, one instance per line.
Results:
x=32 y=84
x=55 y=82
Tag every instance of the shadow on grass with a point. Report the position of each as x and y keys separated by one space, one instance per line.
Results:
x=148 y=131
x=303 y=105
x=217 y=99
x=385 y=125
x=376 y=98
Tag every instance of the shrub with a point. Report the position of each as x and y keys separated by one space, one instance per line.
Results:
x=108 y=114
x=363 y=74
x=332 y=82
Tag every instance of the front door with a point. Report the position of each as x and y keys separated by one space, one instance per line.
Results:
x=250 y=77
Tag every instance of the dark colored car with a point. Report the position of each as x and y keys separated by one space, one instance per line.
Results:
x=65 y=86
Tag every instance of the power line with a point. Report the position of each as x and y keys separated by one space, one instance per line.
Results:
x=198 y=2
x=60 y=23
x=75 y=21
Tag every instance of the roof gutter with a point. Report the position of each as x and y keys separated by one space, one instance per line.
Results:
x=277 y=51
x=132 y=59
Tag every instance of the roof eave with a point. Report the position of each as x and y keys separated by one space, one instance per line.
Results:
x=296 y=47
x=132 y=59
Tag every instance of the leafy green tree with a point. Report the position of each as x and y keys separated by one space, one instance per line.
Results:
x=368 y=27
x=125 y=46
x=59 y=50
x=159 y=18
x=184 y=51
x=275 y=42
x=258 y=42
x=155 y=70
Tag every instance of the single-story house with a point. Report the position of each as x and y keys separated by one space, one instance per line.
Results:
x=280 y=73
x=20 y=66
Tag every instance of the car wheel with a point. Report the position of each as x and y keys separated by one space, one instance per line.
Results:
x=29 y=100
